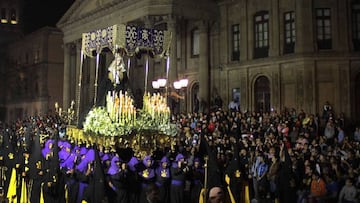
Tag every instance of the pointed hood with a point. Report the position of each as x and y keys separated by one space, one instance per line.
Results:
x=35 y=155
x=214 y=172
x=235 y=164
x=98 y=179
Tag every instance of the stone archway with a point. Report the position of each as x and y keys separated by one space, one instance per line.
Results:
x=195 y=103
x=262 y=94
x=356 y=94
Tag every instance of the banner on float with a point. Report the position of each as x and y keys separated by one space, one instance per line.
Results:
x=130 y=38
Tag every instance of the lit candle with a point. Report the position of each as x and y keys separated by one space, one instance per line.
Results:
x=56 y=106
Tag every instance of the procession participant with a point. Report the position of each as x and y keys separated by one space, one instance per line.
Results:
x=83 y=172
x=47 y=150
x=134 y=179
x=24 y=169
x=65 y=151
x=147 y=176
x=152 y=194
x=233 y=176
x=36 y=172
x=53 y=187
x=285 y=178
x=106 y=164
x=163 y=179
x=197 y=176
x=49 y=178
x=67 y=169
x=2 y=167
x=117 y=180
x=178 y=171
x=95 y=192
x=19 y=158
x=9 y=163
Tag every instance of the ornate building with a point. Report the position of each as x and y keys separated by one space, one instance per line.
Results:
x=35 y=73
x=268 y=54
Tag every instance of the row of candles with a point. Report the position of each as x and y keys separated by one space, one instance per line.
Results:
x=156 y=106
x=120 y=107
x=67 y=115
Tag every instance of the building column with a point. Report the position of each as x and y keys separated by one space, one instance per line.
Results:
x=304 y=25
x=173 y=50
x=92 y=72
x=78 y=96
x=274 y=49
x=203 y=63
x=66 y=85
x=342 y=16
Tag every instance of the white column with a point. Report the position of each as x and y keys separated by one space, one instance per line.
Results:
x=66 y=85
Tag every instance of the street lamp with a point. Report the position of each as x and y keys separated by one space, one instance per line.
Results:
x=179 y=85
x=155 y=84
x=159 y=84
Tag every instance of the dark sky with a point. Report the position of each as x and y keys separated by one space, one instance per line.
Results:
x=40 y=13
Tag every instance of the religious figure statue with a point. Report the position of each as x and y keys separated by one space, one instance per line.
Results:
x=117 y=70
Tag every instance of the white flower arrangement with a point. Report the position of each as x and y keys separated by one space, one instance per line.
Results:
x=98 y=122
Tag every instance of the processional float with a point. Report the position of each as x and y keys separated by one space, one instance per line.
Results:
x=119 y=123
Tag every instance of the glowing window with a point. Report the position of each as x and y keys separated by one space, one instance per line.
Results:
x=13 y=16
x=3 y=16
x=195 y=42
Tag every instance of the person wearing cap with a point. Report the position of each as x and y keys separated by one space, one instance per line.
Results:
x=163 y=179
x=178 y=170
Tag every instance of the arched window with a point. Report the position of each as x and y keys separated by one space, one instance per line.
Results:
x=262 y=94
x=357 y=96
x=195 y=98
x=195 y=40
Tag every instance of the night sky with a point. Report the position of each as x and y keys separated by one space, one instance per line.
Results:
x=40 y=13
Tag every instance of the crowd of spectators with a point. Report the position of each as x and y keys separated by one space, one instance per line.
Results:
x=289 y=156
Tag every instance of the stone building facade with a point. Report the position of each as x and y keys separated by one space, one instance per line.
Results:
x=269 y=54
x=35 y=73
